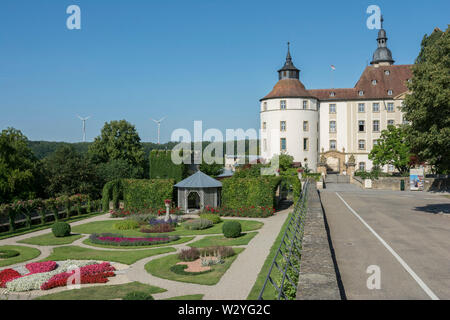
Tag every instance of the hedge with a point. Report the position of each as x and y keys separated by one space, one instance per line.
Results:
x=247 y=192
x=162 y=166
x=138 y=193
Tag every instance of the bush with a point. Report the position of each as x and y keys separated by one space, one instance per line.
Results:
x=252 y=212
x=247 y=192
x=189 y=254
x=214 y=218
x=231 y=229
x=137 y=295
x=5 y=254
x=140 y=194
x=224 y=252
x=61 y=229
x=158 y=228
x=197 y=224
x=126 y=225
x=141 y=218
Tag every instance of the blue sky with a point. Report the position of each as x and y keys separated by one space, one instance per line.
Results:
x=209 y=60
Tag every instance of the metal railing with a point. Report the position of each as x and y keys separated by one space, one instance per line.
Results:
x=286 y=263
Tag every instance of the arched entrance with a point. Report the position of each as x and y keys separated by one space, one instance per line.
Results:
x=193 y=200
x=334 y=160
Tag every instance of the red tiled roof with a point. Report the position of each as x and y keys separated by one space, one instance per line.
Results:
x=288 y=88
x=395 y=81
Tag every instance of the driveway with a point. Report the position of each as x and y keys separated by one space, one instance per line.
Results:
x=404 y=234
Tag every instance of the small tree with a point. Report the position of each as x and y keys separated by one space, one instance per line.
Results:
x=392 y=149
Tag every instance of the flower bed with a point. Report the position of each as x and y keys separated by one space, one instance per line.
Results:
x=119 y=240
x=40 y=267
x=250 y=212
x=8 y=275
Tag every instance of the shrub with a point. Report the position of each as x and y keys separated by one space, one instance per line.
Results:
x=141 y=219
x=231 y=229
x=158 y=228
x=224 y=252
x=5 y=254
x=214 y=218
x=126 y=225
x=137 y=295
x=247 y=192
x=141 y=194
x=189 y=254
x=252 y=212
x=61 y=229
x=197 y=224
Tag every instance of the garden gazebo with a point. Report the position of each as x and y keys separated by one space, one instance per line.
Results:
x=198 y=191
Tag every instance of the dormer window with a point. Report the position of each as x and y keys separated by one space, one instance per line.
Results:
x=389 y=92
x=361 y=93
x=374 y=82
x=387 y=72
x=332 y=94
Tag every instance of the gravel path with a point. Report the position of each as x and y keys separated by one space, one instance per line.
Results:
x=236 y=283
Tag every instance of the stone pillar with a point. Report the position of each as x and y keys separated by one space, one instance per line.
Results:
x=351 y=167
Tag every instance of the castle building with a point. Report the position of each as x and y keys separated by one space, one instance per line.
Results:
x=332 y=125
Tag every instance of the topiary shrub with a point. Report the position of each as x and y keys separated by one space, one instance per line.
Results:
x=137 y=295
x=212 y=217
x=126 y=225
x=6 y=254
x=61 y=229
x=231 y=229
x=197 y=224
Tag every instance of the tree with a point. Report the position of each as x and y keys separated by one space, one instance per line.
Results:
x=118 y=140
x=427 y=108
x=392 y=148
x=286 y=161
x=213 y=169
x=70 y=172
x=18 y=167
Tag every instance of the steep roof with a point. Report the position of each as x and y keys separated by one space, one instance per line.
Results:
x=288 y=88
x=199 y=180
x=395 y=79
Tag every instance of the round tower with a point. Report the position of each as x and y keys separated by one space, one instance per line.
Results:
x=290 y=119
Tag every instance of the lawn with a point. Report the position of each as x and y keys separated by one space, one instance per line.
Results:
x=107 y=227
x=50 y=240
x=244 y=239
x=37 y=227
x=270 y=292
x=160 y=268
x=26 y=253
x=181 y=240
x=126 y=257
x=188 y=297
x=102 y=292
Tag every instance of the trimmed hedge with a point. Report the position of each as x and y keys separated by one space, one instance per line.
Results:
x=61 y=229
x=137 y=193
x=247 y=192
x=231 y=229
x=162 y=166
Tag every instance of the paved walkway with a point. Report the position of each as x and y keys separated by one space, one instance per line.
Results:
x=236 y=283
x=404 y=233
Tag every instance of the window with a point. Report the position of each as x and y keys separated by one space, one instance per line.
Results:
x=264 y=126
x=390 y=122
x=375 y=142
x=362 y=166
x=283 y=104
x=362 y=144
x=332 y=144
x=283 y=144
x=305 y=126
x=361 y=93
x=305 y=104
x=332 y=108
x=375 y=107
x=361 y=107
x=361 y=126
x=374 y=82
x=265 y=106
x=332 y=94
x=265 y=145
x=390 y=107
x=389 y=92
x=376 y=125
x=332 y=126
x=387 y=72
x=282 y=125
x=305 y=144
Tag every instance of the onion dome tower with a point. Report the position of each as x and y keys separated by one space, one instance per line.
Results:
x=382 y=56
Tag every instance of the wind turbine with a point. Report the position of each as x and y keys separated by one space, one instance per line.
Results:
x=84 y=126
x=158 y=122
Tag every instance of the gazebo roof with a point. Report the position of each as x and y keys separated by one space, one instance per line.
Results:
x=199 y=180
